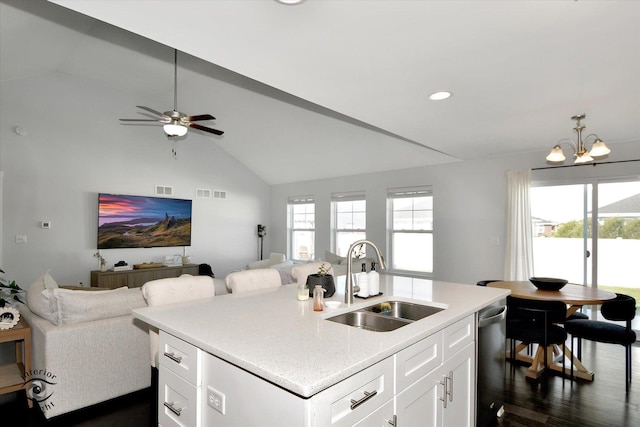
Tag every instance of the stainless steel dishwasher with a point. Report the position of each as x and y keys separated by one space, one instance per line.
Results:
x=491 y=363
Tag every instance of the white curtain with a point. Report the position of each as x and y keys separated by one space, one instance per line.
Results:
x=518 y=263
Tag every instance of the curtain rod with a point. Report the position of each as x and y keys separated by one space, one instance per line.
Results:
x=584 y=164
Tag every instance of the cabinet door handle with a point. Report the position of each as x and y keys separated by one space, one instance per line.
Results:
x=173 y=357
x=367 y=395
x=172 y=408
x=394 y=421
x=450 y=388
x=444 y=392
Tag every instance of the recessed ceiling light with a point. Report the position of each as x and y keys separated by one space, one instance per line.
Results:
x=439 y=96
x=290 y=2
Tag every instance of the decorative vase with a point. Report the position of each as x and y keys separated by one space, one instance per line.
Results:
x=326 y=281
x=103 y=267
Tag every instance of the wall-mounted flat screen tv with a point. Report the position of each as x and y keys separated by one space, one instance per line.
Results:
x=142 y=222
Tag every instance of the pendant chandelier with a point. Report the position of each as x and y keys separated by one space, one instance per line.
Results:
x=580 y=153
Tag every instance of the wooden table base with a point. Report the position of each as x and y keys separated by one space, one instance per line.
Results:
x=554 y=359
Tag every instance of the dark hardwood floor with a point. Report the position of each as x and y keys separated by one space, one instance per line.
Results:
x=551 y=401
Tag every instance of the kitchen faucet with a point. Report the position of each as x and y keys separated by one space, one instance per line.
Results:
x=348 y=289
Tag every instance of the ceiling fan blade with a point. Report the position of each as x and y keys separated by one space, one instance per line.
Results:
x=204 y=128
x=151 y=110
x=140 y=120
x=198 y=118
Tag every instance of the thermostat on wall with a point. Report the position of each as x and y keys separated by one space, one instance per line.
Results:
x=45 y=224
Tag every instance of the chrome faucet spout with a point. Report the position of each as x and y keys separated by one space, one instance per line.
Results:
x=348 y=289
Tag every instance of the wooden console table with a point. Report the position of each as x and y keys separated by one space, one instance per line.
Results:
x=11 y=375
x=137 y=278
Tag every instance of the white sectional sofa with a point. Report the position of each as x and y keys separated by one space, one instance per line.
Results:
x=86 y=346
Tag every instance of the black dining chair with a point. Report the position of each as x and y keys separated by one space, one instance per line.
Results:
x=536 y=322
x=620 y=309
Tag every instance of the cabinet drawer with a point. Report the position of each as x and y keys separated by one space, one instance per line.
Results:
x=178 y=401
x=182 y=358
x=458 y=335
x=381 y=417
x=416 y=361
x=351 y=400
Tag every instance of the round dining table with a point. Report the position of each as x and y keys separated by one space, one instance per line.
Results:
x=575 y=296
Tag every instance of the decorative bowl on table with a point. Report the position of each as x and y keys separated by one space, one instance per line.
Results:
x=548 y=283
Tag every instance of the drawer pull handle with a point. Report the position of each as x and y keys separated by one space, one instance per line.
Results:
x=173 y=357
x=367 y=395
x=172 y=408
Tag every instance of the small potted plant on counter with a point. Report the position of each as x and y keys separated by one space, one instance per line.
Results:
x=323 y=278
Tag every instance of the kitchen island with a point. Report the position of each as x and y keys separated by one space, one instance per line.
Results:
x=275 y=354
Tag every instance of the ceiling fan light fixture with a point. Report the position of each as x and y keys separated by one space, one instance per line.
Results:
x=175 y=129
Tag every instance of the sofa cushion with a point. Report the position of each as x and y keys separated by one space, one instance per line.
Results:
x=80 y=306
x=40 y=298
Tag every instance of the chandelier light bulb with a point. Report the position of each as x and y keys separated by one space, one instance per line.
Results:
x=599 y=148
x=556 y=155
x=583 y=158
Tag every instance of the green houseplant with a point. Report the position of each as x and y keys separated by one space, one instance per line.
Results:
x=322 y=278
x=9 y=292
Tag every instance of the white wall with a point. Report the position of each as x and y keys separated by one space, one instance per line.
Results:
x=469 y=206
x=75 y=148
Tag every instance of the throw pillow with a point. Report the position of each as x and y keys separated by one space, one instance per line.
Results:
x=40 y=298
x=81 y=306
x=286 y=277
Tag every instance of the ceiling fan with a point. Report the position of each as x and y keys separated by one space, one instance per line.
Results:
x=176 y=123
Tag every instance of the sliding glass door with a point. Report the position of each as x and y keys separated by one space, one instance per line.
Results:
x=588 y=233
x=561 y=240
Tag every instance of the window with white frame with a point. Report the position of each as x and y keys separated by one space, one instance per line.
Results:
x=349 y=220
x=301 y=226
x=411 y=229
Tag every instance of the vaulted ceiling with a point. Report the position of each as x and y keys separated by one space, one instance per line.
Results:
x=346 y=83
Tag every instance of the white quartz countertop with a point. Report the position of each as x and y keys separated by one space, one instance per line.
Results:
x=282 y=340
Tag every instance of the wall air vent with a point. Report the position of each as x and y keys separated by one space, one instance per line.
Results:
x=203 y=193
x=217 y=194
x=163 y=190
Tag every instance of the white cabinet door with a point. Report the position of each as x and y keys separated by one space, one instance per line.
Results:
x=460 y=373
x=421 y=404
x=444 y=397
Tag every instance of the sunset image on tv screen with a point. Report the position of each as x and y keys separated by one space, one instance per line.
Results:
x=142 y=222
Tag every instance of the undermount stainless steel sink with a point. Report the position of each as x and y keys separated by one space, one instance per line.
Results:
x=369 y=321
x=403 y=310
x=385 y=316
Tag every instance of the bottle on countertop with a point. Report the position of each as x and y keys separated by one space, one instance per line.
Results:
x=374 y=280
x=363 y=282
x=318 y=298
